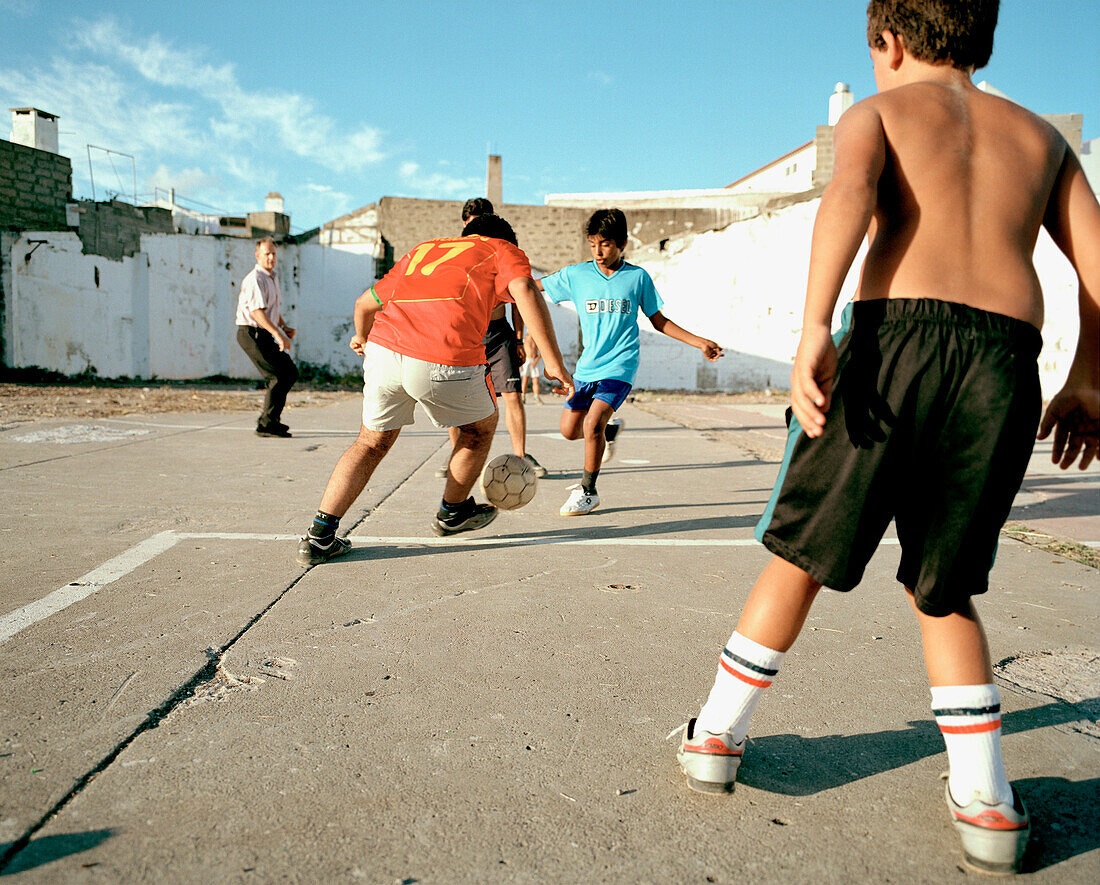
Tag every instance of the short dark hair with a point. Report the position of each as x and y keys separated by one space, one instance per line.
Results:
x=490 y=225
x=476 y=206
x=956 y=32
x=269 y=240
x=608 y=224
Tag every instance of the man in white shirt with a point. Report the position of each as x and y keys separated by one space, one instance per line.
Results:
x=265 y=337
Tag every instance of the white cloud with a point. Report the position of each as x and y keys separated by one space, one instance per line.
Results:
x=437 y=184
x=260 y=116
x=321 y=201
x=188 y=180
x=601 y=77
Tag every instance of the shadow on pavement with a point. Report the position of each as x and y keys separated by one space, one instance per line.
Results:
x=1063 y=822
x=798 y=766
x=46 y=849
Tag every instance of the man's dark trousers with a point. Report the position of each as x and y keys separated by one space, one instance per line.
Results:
x=275 y=365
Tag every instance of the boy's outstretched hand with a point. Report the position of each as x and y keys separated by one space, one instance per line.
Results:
x=812 y=379
x=558 y=379
x=1074 y=416
x=711 y=350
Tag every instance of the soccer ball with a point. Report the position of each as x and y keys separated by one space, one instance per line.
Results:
x=509 y=481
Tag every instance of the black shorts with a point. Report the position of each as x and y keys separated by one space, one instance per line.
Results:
x=503 y=358
x=932 y=422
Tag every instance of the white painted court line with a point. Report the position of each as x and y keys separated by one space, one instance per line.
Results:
x=82 y=588
x=248 y=427
x=141 y=553
x=482 y=541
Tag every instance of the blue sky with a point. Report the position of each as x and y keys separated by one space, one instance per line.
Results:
x=338 y=104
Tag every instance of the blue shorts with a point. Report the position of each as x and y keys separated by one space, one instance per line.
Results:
x=614 y=393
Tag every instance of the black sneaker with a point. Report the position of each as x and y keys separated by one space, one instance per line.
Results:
x=314 y=551
x=540 y=471
x=466 y=520
x=279 y=430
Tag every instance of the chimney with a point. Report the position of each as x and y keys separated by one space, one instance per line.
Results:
x=493 y=185
x=839 y=102
x=34 y=128
x=273 y=202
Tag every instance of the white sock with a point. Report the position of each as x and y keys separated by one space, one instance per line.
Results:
x=969 y=716
x=745 y=669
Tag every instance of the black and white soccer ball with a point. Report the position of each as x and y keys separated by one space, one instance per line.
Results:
x=509 y=481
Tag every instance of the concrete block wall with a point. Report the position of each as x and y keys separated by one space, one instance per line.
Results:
x=825 y=156
x=35 y=185
x=552 y=236
x=113 y=229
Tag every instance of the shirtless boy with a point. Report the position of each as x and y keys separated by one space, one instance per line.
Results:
x=927 y=411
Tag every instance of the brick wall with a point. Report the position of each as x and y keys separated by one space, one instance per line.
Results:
x=826 y=156
x=34 y=188
x=552 y=236
x=113 y=229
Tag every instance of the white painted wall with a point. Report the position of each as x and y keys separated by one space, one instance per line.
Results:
x=168 y=311
x=745 y=286
x=791 y=175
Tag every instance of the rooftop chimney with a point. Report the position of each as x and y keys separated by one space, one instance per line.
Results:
x=273 y=202
x=839 y=102
x=34 y=128
x=493 y=185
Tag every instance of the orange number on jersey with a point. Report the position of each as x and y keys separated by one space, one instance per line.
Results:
x=450 y=250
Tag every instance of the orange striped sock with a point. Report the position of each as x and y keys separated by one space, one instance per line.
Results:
x=745 y=669
x=969 y=716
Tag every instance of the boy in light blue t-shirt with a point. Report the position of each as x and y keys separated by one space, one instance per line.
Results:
x=607 y=292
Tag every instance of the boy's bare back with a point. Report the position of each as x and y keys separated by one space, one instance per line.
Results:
x=966 y=179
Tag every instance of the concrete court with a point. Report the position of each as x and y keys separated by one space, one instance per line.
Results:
x=490 y=708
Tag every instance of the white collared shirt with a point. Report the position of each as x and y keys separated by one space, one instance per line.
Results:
x=259 y=291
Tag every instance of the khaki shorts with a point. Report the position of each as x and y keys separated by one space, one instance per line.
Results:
x=393 y=384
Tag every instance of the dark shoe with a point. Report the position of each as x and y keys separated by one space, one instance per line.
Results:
x=466 y=520
x=279 y=430
x=314 y=551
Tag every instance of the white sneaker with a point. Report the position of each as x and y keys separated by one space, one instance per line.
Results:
x=579 y=503
x=615 y=425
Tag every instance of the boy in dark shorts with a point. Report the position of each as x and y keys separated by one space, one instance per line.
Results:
x=927 y=410
x=608 y=293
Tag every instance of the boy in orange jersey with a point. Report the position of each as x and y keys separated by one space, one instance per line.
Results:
x=420 y=331
x=927 y=410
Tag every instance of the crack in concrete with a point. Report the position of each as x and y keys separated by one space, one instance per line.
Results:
x=203 y=676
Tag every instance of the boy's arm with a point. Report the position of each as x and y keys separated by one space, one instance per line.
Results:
x=846 y=210
x=663 y=324
x=366 y=306
x=529 y=300
x=1073 y=221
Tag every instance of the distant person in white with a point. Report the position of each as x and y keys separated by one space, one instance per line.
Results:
x=265 y=337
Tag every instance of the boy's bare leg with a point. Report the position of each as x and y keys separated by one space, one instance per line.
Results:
x=572 y=424
x=468 y=457
x=595 y=421
x=515 y=419
x=769 y=624
x=590 y=425
x=778 y=604
x=966 y=704
x=955 y=648
x=353 y=470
